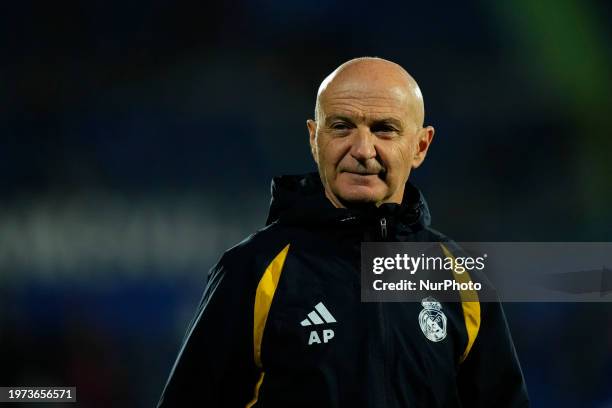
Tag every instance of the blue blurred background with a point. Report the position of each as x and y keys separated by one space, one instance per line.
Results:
x=138 y=140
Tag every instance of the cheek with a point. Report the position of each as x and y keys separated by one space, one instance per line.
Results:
x=331 y=152
x=398 y=155
x=398 y=160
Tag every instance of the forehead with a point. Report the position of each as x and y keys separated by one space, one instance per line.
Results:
x=363 y=99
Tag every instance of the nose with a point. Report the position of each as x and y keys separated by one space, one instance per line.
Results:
x=362 y=147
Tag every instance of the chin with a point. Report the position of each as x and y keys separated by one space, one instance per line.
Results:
x=359 y=194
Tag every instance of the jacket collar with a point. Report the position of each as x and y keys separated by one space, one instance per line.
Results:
x=300 y=199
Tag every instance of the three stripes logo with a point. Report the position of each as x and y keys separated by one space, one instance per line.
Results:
x=320 y=315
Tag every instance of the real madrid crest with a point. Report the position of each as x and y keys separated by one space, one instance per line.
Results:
x=432 y=320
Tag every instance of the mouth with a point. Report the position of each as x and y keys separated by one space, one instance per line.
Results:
x=360 y=173
x=380 y=174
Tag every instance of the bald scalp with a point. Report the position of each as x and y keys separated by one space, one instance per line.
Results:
x=368 y=73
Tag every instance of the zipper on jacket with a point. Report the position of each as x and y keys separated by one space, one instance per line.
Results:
x=383 y=228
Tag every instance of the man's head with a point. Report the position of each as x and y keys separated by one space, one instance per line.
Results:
x=368 y=132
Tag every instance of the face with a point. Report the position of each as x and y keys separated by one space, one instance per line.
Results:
x=365 y=142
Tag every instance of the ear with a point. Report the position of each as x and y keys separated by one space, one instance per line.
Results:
x=424 y=138
x=312 y=132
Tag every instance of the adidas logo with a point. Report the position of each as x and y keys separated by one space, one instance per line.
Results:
x=320 y=315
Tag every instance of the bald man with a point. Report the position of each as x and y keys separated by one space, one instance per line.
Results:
x=281 y=322
x=368 y=133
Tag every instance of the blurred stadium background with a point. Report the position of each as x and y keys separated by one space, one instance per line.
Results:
x=138 y=140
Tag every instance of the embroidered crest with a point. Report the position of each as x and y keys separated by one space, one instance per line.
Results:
x=432 y=320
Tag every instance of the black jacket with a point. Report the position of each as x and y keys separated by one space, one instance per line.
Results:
x=252 y=343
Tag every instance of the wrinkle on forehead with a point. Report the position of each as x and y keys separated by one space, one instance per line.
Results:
x=372 y=82
x=366 y=107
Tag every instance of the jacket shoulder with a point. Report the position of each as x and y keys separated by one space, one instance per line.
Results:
x=257 y=248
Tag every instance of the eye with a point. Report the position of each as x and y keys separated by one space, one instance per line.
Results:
x=383 y=128
x=340 y=126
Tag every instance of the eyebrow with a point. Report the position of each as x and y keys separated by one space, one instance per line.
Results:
x=332 y=118
x=389 y=120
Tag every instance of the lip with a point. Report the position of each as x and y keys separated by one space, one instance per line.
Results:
x=361 y=174
x=366 y=177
